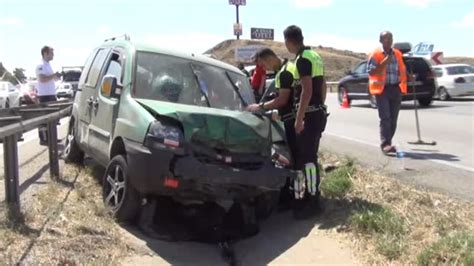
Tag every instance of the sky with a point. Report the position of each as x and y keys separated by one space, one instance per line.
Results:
x=73 y=28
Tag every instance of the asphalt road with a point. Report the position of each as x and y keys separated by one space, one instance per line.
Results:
x=447 y=167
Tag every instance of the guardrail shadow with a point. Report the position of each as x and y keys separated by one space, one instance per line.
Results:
x=37 y=232
x=36 y=176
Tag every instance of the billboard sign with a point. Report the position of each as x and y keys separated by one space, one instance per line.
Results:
x=237 y=2
x=262 y=34
x=245 y=54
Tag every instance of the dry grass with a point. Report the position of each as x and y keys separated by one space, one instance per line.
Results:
x=419 y=218
x=66 y=224
x=455 y=249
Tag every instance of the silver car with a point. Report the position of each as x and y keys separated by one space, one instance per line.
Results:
x=9 y=95
x=454 y=80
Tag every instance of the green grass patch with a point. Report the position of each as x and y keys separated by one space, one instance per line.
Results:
x=390 y=246
x=388 y=228
x=445 y=225
x=456 y=249
x=338 y=183
x=376 y=219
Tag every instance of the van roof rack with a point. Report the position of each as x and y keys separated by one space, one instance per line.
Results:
x=124 y=36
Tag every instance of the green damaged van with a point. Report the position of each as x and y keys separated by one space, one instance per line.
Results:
x=165 y=123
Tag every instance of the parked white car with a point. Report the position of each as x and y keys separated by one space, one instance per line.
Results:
x=64 y=90
x=9 y=95
x=454 y=80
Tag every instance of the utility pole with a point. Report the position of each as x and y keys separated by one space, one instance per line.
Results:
x=237 y=16
x=237 y=25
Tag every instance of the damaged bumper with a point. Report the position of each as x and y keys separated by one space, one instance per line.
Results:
x=159 y=170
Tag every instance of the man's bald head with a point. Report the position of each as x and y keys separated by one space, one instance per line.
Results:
x=386 y=39
x=385 y=33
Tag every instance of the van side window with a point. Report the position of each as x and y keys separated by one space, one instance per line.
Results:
x=115 y=68
x=87 y=67
x=96 y=68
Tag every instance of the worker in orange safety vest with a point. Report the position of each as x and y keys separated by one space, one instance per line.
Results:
x=387 y=82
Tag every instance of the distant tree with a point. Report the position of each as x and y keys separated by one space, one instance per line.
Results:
x=7 y=76
x=2 y=70
x=19 y=73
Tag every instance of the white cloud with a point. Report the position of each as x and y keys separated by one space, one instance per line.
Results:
x=466 y=22
x=312 y=3
x=414 y=3
x=196 y=42
x=343 y=43
x=11 y=21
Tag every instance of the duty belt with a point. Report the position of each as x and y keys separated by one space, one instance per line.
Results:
x=309 y=109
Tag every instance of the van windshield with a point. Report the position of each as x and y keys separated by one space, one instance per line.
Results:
x=173 y=79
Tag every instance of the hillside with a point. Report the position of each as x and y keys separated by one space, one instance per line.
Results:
x=459 y=60
x=337 y=62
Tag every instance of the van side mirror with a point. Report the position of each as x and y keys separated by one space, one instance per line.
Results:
x=110 y=88
x=349 y=73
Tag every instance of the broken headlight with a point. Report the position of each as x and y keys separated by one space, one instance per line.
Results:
x=164 y=135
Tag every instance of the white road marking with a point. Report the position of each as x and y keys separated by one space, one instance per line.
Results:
x=458 y=166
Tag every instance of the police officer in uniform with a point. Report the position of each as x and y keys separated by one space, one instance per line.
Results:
x=284 y=83
x=310 y=121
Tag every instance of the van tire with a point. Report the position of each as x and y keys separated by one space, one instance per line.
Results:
x=72 y=153
x=120 y=197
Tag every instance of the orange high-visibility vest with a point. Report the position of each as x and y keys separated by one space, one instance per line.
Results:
x=377 y=81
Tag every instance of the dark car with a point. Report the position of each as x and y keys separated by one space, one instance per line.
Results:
x=356 y=83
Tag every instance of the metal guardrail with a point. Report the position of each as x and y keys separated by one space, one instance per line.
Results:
x=14 y=122
x=332 y=86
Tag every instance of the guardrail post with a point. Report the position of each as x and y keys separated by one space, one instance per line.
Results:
x=53 y=149
x=12 y=186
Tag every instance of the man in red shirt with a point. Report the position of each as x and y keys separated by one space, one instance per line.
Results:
x=258 y=81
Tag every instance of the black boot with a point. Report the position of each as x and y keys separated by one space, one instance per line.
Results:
x=308 y=207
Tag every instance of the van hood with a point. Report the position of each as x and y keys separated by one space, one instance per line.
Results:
x=230 y=131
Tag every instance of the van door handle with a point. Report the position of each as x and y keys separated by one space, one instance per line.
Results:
x=90 y=101
x=95 y=104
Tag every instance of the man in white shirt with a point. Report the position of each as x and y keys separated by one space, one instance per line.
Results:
x=46 y=86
